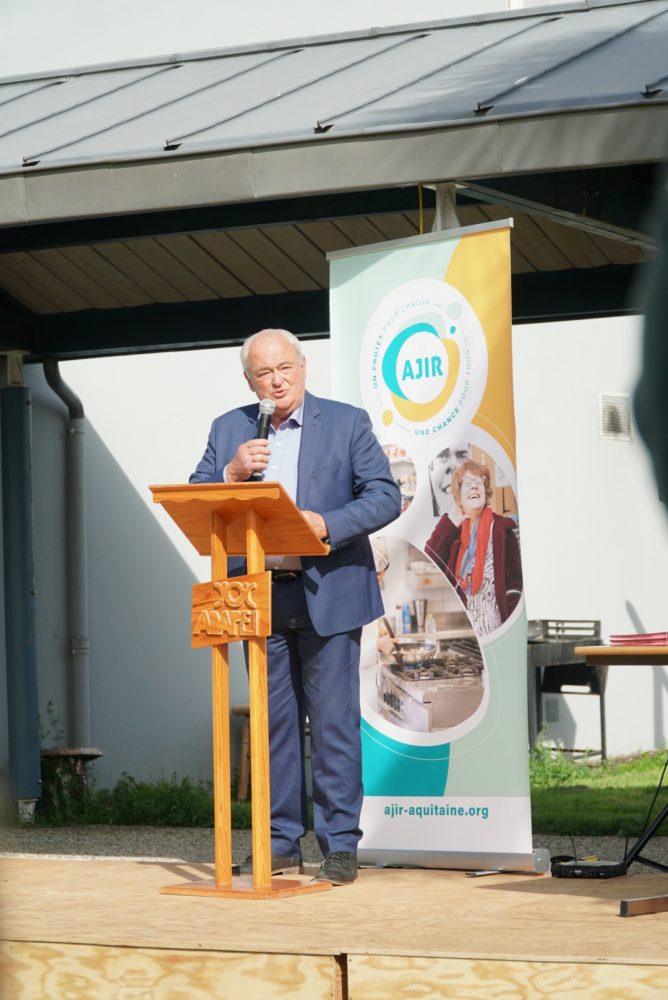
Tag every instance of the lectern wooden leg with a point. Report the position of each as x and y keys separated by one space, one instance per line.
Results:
x=259 y=737
x=222 y=803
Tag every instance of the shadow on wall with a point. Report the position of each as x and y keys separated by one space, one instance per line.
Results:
x=659 y=680
x=150 y=692
x=581 y=734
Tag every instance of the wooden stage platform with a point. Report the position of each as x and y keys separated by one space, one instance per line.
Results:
x=100 y=930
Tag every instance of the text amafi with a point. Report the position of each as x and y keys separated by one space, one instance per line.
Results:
x=230 y=610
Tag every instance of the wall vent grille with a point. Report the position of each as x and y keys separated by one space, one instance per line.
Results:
x=615 y=416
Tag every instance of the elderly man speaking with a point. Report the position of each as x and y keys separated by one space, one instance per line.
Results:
x=327 y=458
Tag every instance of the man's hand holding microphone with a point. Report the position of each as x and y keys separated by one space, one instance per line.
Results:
x=252 y=457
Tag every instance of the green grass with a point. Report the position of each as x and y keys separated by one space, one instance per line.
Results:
x=582 y=798
x=568 y=797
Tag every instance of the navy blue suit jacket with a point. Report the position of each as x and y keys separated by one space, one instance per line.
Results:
x=344 y=475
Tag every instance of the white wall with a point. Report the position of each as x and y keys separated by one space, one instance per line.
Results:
x=148 y=418
x=594 y=535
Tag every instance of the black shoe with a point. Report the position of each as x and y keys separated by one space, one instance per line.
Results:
x=339 y=868
x=280 y=865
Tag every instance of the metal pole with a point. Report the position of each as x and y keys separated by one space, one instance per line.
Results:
x=19 y=578
x=446 y=207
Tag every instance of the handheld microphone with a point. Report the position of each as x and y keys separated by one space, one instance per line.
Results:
x=267 y=407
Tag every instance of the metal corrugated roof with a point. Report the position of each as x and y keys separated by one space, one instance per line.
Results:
x=185 y=201
x=545 y=66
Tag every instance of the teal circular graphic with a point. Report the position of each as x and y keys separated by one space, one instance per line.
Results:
x=423 y=361
x=391 y=358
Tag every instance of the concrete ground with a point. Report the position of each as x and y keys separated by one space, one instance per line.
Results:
x=195 y=844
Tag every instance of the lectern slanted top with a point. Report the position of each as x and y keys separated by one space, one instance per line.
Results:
x=282 y=528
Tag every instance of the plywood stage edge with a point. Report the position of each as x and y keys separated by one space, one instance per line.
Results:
x=103 y=924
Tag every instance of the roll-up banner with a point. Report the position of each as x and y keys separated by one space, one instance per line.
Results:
x=421 y=338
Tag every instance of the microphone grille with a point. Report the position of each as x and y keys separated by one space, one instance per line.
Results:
x=267 y=406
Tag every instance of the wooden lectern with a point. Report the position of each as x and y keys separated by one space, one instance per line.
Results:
x=244 y=519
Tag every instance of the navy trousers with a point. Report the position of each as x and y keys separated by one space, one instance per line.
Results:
x=316 y=677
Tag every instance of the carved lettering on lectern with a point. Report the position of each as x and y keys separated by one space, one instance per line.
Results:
x=230 y=610
x=219 y=621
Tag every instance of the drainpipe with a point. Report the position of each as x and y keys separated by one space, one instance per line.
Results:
x=77 y=569
x=19 y=577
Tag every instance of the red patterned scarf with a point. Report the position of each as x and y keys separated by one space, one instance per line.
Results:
x=470 y=577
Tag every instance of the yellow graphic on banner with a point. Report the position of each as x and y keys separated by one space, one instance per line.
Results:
x=480 y=270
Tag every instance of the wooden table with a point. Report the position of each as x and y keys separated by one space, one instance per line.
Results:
x=602 y=657
x=634 y=656
x=608 y=656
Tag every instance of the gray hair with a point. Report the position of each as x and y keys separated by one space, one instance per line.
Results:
x=248 y=343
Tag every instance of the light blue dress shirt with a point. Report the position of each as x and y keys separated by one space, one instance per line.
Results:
x=282 y=468
x=284 y=447
x=284 y=444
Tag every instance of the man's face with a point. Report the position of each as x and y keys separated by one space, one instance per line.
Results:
x=443 y=466
x=275 y=372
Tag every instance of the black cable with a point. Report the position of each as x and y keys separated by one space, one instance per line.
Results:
x=656 y=794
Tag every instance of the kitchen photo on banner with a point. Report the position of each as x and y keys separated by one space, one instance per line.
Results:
x=421 y=338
